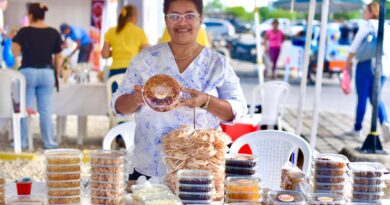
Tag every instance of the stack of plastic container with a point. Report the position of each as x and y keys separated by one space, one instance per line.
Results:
x=286 y=198
x=325 y=199
x=368 y=182
x=63 y=172
x=108 y=175
x=243 y=189
x=240 y=165
x=2 y=191
x=195 y=186
x=153 y=194
x=330 y=173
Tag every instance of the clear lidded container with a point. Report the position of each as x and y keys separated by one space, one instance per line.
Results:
x=286 y=198
x=243 y=184
x=107 y=157
x=187 y=176
x=367 y=169
x=63 y=156
x=325 y=199
x=331 y=161
x=240 y=160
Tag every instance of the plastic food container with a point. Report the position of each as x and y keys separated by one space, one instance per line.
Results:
x=162 y=93
x=331 y=161
x=366 y=197
x=107 y=192
x=193 y=202
x=107 y=157
x=187 y=176
x=368 y=188
x=330 y=186
x=25 y=200
x=63 y=168
x=114 y=169
x=330 y=172
x=63 y=156
x=168 y=199
x=63 y=199
x=63 y=184
x=52 y=176
x=149 y=188
x=106 y=200
x=63 y=192
x=325 y=199
x=246 y=196
x=367 y=169
x=108 y=185
x=108 y=177
x=368 y=180
x=240 y=171
x=195 y=188
x=240 y=160
x=286 y=197
x=197 y=196
x=243 y=184
x=330 y=179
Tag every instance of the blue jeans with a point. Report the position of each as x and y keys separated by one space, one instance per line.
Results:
x=39 y=85
x=84 y=53
x=364 y=83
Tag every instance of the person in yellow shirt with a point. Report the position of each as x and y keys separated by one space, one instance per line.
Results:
x=124 y=41
x=201 y=38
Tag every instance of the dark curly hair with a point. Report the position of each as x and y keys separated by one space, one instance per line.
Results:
x=198 y=5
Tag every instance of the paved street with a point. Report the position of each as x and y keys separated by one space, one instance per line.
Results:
x=337 y=110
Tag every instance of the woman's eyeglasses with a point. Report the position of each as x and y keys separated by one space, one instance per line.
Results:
x=174 y=18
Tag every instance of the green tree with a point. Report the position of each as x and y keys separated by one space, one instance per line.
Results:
x=215 y=6
x=240 y=13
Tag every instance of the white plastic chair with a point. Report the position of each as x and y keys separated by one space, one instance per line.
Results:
x=126 y=130
x=7 y=77
x=114 y=120
x=273 y=149
x=273 y=94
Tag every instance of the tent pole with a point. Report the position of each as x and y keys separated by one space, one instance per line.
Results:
x=292 y=6
x=320 y=68
x=305 y=68
x=260 y=65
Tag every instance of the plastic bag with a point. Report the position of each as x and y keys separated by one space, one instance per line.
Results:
x=8 y=57
x=345 y=81
x=291 y=177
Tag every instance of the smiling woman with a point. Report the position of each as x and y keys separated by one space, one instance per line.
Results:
x=208 y=85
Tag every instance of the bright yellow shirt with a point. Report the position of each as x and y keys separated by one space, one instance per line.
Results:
x=125 y=44
x=201 y=38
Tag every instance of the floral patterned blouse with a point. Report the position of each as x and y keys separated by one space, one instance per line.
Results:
x=209 y=72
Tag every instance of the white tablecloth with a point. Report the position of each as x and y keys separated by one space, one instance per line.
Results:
x=80 y=99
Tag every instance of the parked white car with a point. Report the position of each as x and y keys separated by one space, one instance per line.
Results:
x=219 y=28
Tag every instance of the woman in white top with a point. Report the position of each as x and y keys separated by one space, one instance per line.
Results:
x=206 y=78
x=364 y=70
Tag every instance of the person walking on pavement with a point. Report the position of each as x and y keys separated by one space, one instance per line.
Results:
x=274 y=39
x=40 y=47
x=80 y=36
x=365 y=71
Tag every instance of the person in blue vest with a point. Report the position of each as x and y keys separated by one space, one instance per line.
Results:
x=81 y=37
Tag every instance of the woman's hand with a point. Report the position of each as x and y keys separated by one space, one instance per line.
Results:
x=197 y=98
x=137 y=95
x=130 y=103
